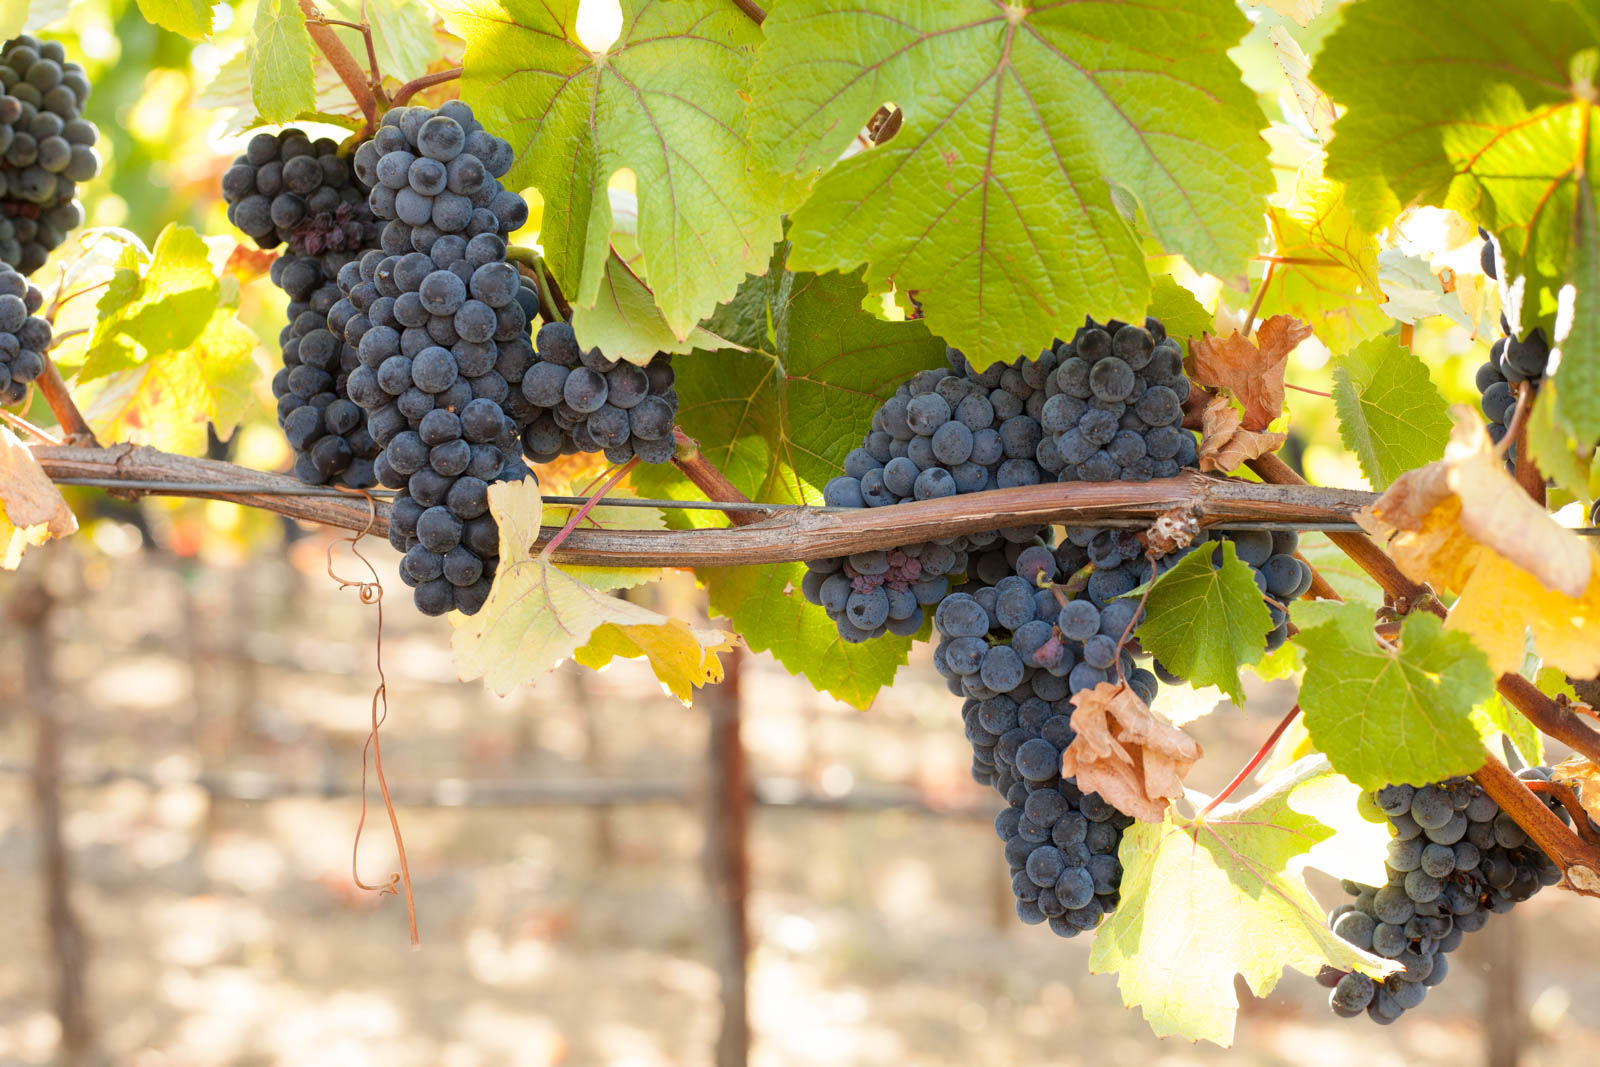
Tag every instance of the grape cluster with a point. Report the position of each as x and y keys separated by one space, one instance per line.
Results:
x=46 y=149
x=1114 y=406
x=940 y=434
x=24 y=337
x=584 y=402
x=1512 y=361
x=1455 y=858
x=439 y=323
x=326 y=430
x=287 y=189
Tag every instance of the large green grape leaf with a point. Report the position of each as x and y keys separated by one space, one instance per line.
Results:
x=281 y=81
x=1181 y=315
x=1391 y=415
x=778 y=419
x=1031 y=140
x=168 y=354
x=1487 y=113
x=1206 y=899
x=191 y=18
x=1386 y=714
x=665 y=101
x=1204 y=620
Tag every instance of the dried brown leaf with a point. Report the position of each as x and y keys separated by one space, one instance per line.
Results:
x=1224 y=444
x=31 y=507
x=1584 y=778
x=1131 y=756
x=1252 y=372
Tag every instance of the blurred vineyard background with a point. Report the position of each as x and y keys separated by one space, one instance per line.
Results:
x=181 y=731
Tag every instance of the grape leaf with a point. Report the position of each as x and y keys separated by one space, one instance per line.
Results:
x=1415 y=292
x=402 y=34
x=191 y=18
x=32 y=509
x=1175 y=959
x=1463 y=524
x=1224 y=443
x=779 y=419
x=1577 y=377
x=1496 y=717
x=1204 y=620
x=538 y=615
x=1556 y=452
x=625 y=323
x=1494 y=125
x=1005 y=198
x=229 y=92
x=1386 y=714
x=168 y=354
x=664 y=101
x=281 y=66
x=1326 y=269
x=1390 y=413
x=1181 y=315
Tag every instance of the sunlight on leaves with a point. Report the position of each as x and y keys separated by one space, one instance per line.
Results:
x=1390 y=413
x=32 y=509
x=1174 y=960
x=538 y=615
x=1205 y=618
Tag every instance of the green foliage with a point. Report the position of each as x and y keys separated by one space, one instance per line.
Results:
x=1390 y=413
x=1204 y=620
x=1578 y=377
x=1494 y=125
x=625 y=322
x=167 y=354
x=402 y=34
x=280 y=62
x=1384 y=713
x=1180 y=313
x=1206 y=899
x=1031 y=140
x=778 y=419
x=192 y=18
x=666 y=102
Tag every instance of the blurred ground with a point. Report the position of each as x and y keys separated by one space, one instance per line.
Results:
x=230 y=932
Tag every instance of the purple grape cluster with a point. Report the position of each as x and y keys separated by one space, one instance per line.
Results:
x=289 y=191
x=585 y=402
x=1454 y=860
x=1512 y=361
x=439 y=322
x=24 y=336
x=46 y=149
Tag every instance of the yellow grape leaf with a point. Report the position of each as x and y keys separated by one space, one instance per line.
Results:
x=31 y=507
x=1584 y=778
x=538 y=615
x=1463 y=524
x=1302 y=11
x=1318 y=111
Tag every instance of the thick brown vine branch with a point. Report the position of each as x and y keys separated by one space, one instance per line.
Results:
x=786 y=536
x=1549 y=832
x=344 y=64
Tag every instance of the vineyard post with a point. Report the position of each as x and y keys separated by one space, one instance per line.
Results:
x=30 y=611
x=727 y=815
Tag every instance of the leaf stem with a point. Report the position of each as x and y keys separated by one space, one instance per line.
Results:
x=426 y=81
x=588 y=506
x=20 y=423
x=1255 y=761
x=1306 y=389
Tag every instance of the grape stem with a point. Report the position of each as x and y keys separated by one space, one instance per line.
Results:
x=1255 y=761
x=710 y=480
x=1307 y=389
x=1127 y=631
x=1569 y=800
x=343 y=63
x=65 y=409
x=20 y=423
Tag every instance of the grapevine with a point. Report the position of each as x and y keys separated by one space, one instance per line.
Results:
x=1042 y=378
